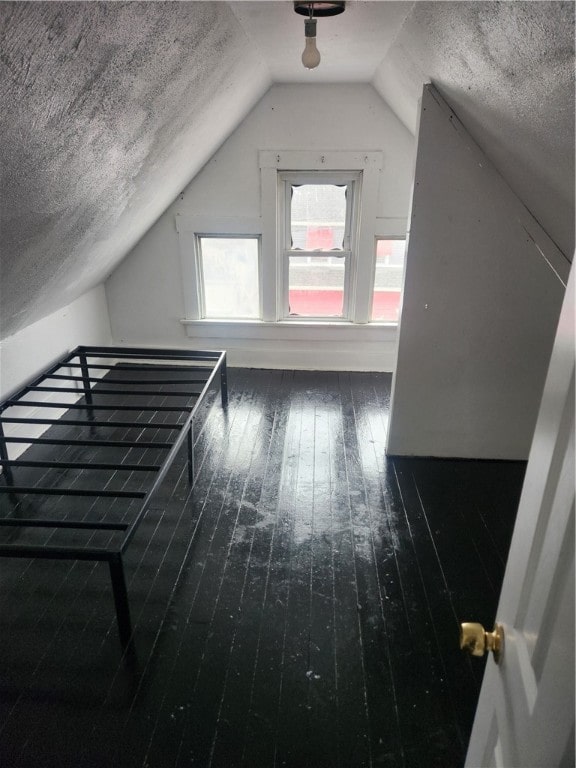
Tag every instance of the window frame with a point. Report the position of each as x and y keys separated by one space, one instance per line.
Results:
x=370 y=164
x=267 y=224
x=199 y=268
x=188 y=227
x=286 y=179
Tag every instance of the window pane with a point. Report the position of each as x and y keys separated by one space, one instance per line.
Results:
x=318 y=217
x=230 y=277
x=316 y=288
x=388 y=280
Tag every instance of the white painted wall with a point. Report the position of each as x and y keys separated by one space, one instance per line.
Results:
x=145 y=294
x=482 y=295
x=26 y=353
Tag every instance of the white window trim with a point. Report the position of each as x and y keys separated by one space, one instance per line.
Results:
x=189 y=228
x=370 y=165
x=289 y=330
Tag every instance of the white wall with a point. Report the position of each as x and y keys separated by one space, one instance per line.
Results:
x=482 y=295
x=26 y=353
x=145 y=292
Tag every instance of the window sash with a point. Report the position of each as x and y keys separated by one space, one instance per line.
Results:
x=293 y=179
x=345 y=256
x=199 y=237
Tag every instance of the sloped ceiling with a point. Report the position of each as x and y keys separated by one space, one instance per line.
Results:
x=507 y=70
x=110 y=109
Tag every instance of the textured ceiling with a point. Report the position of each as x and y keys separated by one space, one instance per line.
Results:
x=109 y=109
x=507 y=70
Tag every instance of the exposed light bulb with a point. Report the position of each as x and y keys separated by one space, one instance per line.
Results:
x=311 y=54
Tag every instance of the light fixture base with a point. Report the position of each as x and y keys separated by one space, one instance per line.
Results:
x=319 y=9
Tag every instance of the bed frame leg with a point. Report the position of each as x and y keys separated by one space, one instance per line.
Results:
x=6 y=469
x=122 y=607
x=224 y=383
x=191 y=454
x=87 y=391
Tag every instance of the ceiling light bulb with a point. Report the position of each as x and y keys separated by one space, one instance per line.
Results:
x=311 y=54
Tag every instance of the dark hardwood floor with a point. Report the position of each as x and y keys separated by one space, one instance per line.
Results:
x=299 y=607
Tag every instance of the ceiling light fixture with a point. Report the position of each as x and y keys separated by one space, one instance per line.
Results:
x=314 y=10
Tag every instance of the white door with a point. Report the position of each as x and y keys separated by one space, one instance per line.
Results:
x=525 y=714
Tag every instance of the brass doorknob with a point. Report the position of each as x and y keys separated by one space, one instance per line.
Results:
x=475 y=640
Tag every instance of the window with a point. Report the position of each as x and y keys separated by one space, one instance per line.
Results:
x=229 y=276
x=306 y=264
x=319 y=216
x=388 y=280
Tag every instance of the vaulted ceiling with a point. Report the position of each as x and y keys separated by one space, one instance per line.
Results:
x=109 y=109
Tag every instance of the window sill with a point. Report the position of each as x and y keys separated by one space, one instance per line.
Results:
x=295 y=330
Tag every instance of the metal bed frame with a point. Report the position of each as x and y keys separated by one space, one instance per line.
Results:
x=135 y=361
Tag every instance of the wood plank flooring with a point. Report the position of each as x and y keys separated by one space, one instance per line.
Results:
x=298 y=607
